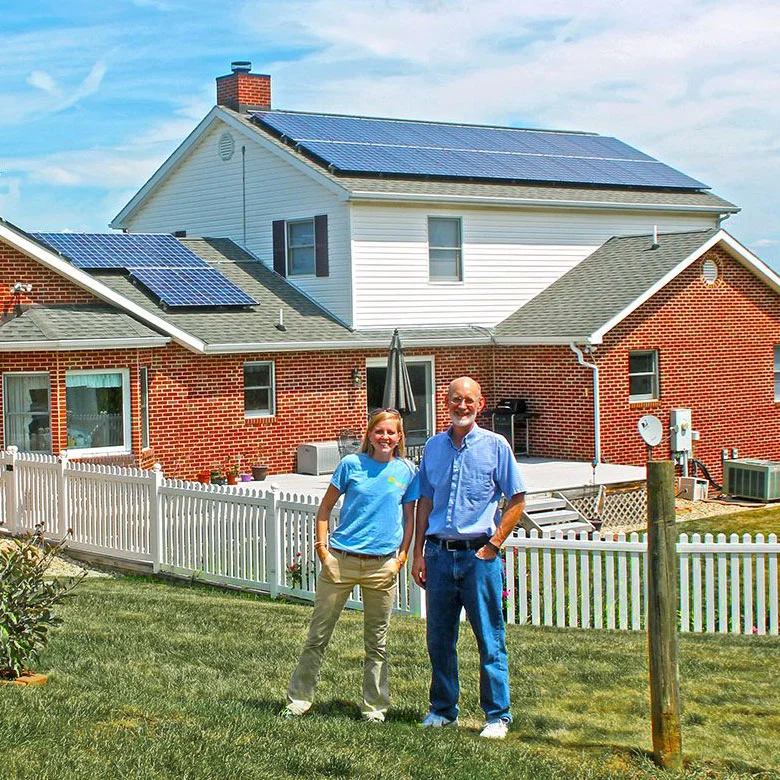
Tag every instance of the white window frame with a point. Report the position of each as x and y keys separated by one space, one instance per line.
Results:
x=143 y=393
x=654 y=395
x=250 y=414
x=381 y=362
x=5 y=408
x=458 y=277
x=289 y=248
x=81 y=452
x=777 y=371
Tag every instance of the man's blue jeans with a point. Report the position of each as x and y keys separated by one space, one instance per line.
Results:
x=456 y=579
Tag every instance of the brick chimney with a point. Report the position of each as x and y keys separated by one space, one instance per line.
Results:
x=244 y=91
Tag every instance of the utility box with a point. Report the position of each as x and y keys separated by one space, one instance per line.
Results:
x=752 y=478
x=318 y=457
x=693 y=488
x=681 y=431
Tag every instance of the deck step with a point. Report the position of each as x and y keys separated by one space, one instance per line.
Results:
x=578 y=526
x=555 y=517
x=544 y=504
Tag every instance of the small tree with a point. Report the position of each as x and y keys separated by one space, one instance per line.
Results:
x=28 y=602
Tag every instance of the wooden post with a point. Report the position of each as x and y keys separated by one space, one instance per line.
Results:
x=662 y=615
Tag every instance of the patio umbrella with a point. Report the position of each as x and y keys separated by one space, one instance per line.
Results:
x=398 y=389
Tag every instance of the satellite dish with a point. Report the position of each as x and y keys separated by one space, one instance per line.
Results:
x=651 y=430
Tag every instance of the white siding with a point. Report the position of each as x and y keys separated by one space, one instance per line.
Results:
x=509 y=256
x=203 y=196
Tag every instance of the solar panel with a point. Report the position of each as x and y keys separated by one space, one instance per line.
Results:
x=390 y=146
x=191 y=287
x=122 y=250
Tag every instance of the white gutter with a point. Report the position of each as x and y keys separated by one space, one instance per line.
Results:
x=358 y=195
x=596 y=404
x=67 y=344
x=554 y=341
x=314 y=346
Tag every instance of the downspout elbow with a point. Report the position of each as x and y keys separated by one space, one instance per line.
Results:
x=596 y=402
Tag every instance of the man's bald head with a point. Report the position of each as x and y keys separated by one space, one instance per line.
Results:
x=465 y=385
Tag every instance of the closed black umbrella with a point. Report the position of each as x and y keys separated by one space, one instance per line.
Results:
x=398 y=389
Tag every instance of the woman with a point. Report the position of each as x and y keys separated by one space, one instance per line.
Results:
x=368 y=548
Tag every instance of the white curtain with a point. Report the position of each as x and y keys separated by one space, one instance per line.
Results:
x=26 y=406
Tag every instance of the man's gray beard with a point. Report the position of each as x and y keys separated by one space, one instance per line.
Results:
x=463 y=422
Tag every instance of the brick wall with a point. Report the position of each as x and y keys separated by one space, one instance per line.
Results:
x=715 y=345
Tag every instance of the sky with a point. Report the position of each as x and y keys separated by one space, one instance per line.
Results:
x=96 y=95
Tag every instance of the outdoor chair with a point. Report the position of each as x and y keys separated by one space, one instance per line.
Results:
x=348 y=442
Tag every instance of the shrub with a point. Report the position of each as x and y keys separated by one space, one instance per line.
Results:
x=28 y=602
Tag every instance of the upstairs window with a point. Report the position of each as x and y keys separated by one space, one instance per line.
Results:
x=300 y=248
x=444 y=249
x=643 y=376
x=26 y=408
x=259 y=389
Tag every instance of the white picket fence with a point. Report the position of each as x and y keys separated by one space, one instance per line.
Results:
x=231 y=536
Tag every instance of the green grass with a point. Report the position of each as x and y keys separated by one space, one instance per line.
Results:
x=752 y=521
x=156 y=680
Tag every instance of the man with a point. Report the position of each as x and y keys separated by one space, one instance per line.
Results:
x=463 y=474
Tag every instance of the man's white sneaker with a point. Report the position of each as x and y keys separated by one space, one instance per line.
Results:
x=434 y=721
x=497 y=729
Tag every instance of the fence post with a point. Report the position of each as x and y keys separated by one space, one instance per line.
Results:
x=662 y=615
x=156 y=517
x=62 y=524
x=10 y=477
x=273 y=539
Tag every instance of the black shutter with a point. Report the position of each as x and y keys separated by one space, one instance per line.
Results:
x=280 y=253
x=321 y=245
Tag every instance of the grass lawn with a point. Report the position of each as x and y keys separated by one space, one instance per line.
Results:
x=158 y=680
x=752 y=521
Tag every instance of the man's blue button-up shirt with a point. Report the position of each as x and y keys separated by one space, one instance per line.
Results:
x=465 y=484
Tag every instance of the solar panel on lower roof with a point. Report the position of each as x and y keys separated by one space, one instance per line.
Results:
x=191 y=287
x=122 y=250
x=401 y=147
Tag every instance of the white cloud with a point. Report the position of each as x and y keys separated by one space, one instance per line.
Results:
x=42 y=80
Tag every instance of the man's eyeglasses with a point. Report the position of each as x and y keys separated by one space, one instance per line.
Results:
x=388 y=409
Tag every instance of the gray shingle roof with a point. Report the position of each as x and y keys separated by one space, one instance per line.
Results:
x=600 y=287
x=73 y=323
x=563 y=195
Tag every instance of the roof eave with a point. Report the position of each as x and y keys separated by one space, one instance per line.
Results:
x=358 y=344
x=547 y=341
x=63 y=345
x=364 y=195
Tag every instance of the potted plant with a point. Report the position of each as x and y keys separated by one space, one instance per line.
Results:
x=217 y=478
x=260 y=471
x=231 y=472
x=204 y=477
x=243 y=476
x=28 y=602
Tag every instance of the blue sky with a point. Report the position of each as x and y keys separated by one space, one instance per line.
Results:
x=96 y=95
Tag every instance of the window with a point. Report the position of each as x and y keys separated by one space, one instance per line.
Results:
x=144 y=382
x=259 y=392
x=300 y=247
x=643 y=376
x=444 y=249
x=98 y=410
x=26 y=410
x=777 y=373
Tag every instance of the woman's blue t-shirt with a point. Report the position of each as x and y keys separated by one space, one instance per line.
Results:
x=371 y=518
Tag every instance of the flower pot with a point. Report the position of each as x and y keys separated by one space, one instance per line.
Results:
x=259 y=473
x=28 y=678
x=204 y=477
x=232 y=479
x=246 y=477
x=219 y=481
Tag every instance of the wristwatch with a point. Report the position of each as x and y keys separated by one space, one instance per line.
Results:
x=496 y=549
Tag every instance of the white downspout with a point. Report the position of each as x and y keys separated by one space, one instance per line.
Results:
x=596 y=408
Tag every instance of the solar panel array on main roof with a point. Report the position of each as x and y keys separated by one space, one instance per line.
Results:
x=171 y=271
x=407 y=148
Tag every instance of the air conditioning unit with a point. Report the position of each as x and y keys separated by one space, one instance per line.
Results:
x=318 y=457
x=752 y=478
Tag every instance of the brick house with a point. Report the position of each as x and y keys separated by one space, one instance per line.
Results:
x=521 y=278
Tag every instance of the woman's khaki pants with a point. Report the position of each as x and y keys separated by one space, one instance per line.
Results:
x=339 y=574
